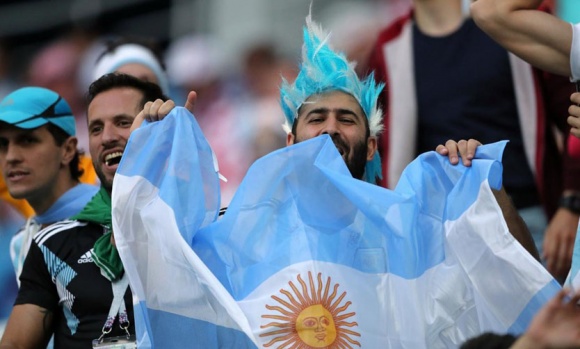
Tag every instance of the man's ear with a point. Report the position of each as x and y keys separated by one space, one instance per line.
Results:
x=290 y=138
x=69 y=149
x=371 y=147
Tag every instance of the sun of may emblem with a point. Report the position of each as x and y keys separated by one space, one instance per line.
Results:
x=310 y=317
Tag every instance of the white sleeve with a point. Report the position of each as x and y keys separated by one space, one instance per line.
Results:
x=575 y=53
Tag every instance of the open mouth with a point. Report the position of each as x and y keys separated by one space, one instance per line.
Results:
x=340 y=145
x=339 y=148
x=16 y=175
x=113 y=158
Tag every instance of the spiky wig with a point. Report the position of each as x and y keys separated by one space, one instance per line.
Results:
x=324 y=70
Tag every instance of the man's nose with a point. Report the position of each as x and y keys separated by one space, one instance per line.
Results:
x=110 y=134
x=330 y=126
x=13 y=153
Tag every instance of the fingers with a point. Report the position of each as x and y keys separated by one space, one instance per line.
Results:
x=164 y=109
x=191 y=99
x=575 y=98
x=467 y=150
x=138 y=121
x=441 y=149
x=560 y=297
x=462 y=149
x=575 y=298
x=574 y=111
x=565 y=252
x=155 y=111
x=452 y=151
x=558 y=256
x=549 y=249
x=152 y=111
x=574 y=120
x=563 y=259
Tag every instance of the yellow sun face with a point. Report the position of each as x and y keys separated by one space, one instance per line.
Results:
x=315 y=326
x=313 y=317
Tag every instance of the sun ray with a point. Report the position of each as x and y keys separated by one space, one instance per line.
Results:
x=278 y=339
x=293 y=345
x=344 y=307
x=291 y=307
x=272 y=333
x=344 y=316
x=337 y=302
x=350 y=340
x=344 y=341
x=326 y=289
x=277 y=324
x=313 y=297
x=291 y=298
x=319 y=289
x=280 y=309
x=296 y=292
x=333 y=294
x=278 y=317
x=352 y=333
x=348 y=324
x=304 y=290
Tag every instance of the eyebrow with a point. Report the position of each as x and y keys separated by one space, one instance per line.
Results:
x=115 y=118
x=340 y=111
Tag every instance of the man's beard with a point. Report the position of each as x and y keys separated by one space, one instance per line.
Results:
x=103 y=179
x=356 y=165
x=358 y=161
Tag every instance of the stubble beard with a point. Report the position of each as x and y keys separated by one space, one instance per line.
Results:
x=357 y=162
x=105 y=183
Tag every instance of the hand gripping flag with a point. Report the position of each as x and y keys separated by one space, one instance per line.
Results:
x=308 y=257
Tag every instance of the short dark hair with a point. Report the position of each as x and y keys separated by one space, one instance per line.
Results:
x=60 y=136
x=489 y=340
x=150 y=90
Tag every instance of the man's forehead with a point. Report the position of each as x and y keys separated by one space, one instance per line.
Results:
x=332 y=100
x=8 y=129
x=115 y=102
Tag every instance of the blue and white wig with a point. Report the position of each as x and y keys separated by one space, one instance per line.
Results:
x=324 y=70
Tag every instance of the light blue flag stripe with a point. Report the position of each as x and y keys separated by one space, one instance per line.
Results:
x=534 y=305
x=175 y=331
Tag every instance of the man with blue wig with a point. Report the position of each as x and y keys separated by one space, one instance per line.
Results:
x=328 y=97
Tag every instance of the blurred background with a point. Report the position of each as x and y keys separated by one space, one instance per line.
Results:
x=232 y=52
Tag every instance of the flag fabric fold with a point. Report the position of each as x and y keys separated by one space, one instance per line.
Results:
x=308 y=257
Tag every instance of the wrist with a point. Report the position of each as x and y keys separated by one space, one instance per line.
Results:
x=570 y=201
x=526 y=342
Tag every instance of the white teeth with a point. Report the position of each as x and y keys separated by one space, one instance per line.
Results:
x=112 y=156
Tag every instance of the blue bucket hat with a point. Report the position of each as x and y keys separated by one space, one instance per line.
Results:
x=32 y=107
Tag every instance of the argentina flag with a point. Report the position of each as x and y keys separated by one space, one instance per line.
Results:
x=308 y=257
